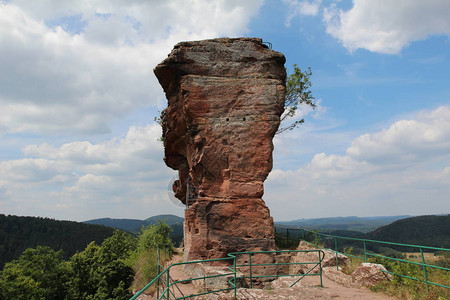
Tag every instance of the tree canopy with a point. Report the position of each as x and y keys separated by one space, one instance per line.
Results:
x=39 y=273
x=103 y=271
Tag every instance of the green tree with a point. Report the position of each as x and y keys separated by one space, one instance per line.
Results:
x=150 y=239
x=20 y=233
x=156 y=236
x=297 y=93
x=103 y=272
x=85 y=276
x=39 y=273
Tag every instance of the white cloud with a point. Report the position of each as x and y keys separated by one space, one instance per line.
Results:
x=73 y=67
x=301 y=8
x=31 y=170
x=81 y=68
x=387 y=26
x=77 y=179
x=393 y=171
x=405 y=141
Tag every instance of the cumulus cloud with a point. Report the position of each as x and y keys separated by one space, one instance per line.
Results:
x=408 y=162
x=387 y=26
x=73 y=67
x=32 y=170
x=301 y=8
x=405 y=141
x=81 y=68
x=81 y=177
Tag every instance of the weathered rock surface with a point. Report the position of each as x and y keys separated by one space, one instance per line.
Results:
x=369 y=274
x=329 y=259
x=225 y=97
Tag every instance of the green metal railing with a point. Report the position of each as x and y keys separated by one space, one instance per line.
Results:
x=251 y=276
x=365 y=245
x=166 y=287
x=164 y=280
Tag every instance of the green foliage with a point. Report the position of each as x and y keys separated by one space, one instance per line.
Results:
x=431 y=231
x=146 y=267
x=103 y=272
x=98 y=272
x=20 y=233
x=151 y=239
x=39 y=273
x=405 y=288
x=156 y=236
x=297 y=93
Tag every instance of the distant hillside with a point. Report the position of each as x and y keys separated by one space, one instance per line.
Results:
x=364 y=224
x=20 y=233
x=130 y=225
x=431 y=231
x=171 y=219
x=134 y=225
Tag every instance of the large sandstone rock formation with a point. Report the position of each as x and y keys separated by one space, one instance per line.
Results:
x=225 y=97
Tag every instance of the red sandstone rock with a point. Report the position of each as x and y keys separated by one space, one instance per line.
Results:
x=225 y=97
x=329 y=259
x=369 y=274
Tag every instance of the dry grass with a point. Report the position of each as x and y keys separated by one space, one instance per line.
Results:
x=416 y=256
x=354 y=264
x=146 y=269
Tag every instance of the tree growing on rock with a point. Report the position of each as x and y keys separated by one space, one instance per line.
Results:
x=298 y=93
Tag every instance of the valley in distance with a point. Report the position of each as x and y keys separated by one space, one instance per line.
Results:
x=19 y=233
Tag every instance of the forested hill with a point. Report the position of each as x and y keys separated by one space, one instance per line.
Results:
x=353 y=223
x=134 y=225
x=20 y=233
x=431 y=231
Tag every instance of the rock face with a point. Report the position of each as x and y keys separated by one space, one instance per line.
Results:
x=225 y=98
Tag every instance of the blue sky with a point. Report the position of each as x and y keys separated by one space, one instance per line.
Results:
x=78 y=98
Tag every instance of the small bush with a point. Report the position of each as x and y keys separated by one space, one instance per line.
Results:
x=404 y=288
x=145 y=258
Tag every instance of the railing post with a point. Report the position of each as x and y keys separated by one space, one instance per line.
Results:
x=320 y=268
x=158 y=270
x=424 y=269
x=336 y=253
x=365 y=252
x=250 y=264
x=168 y=284
x=235 y=284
